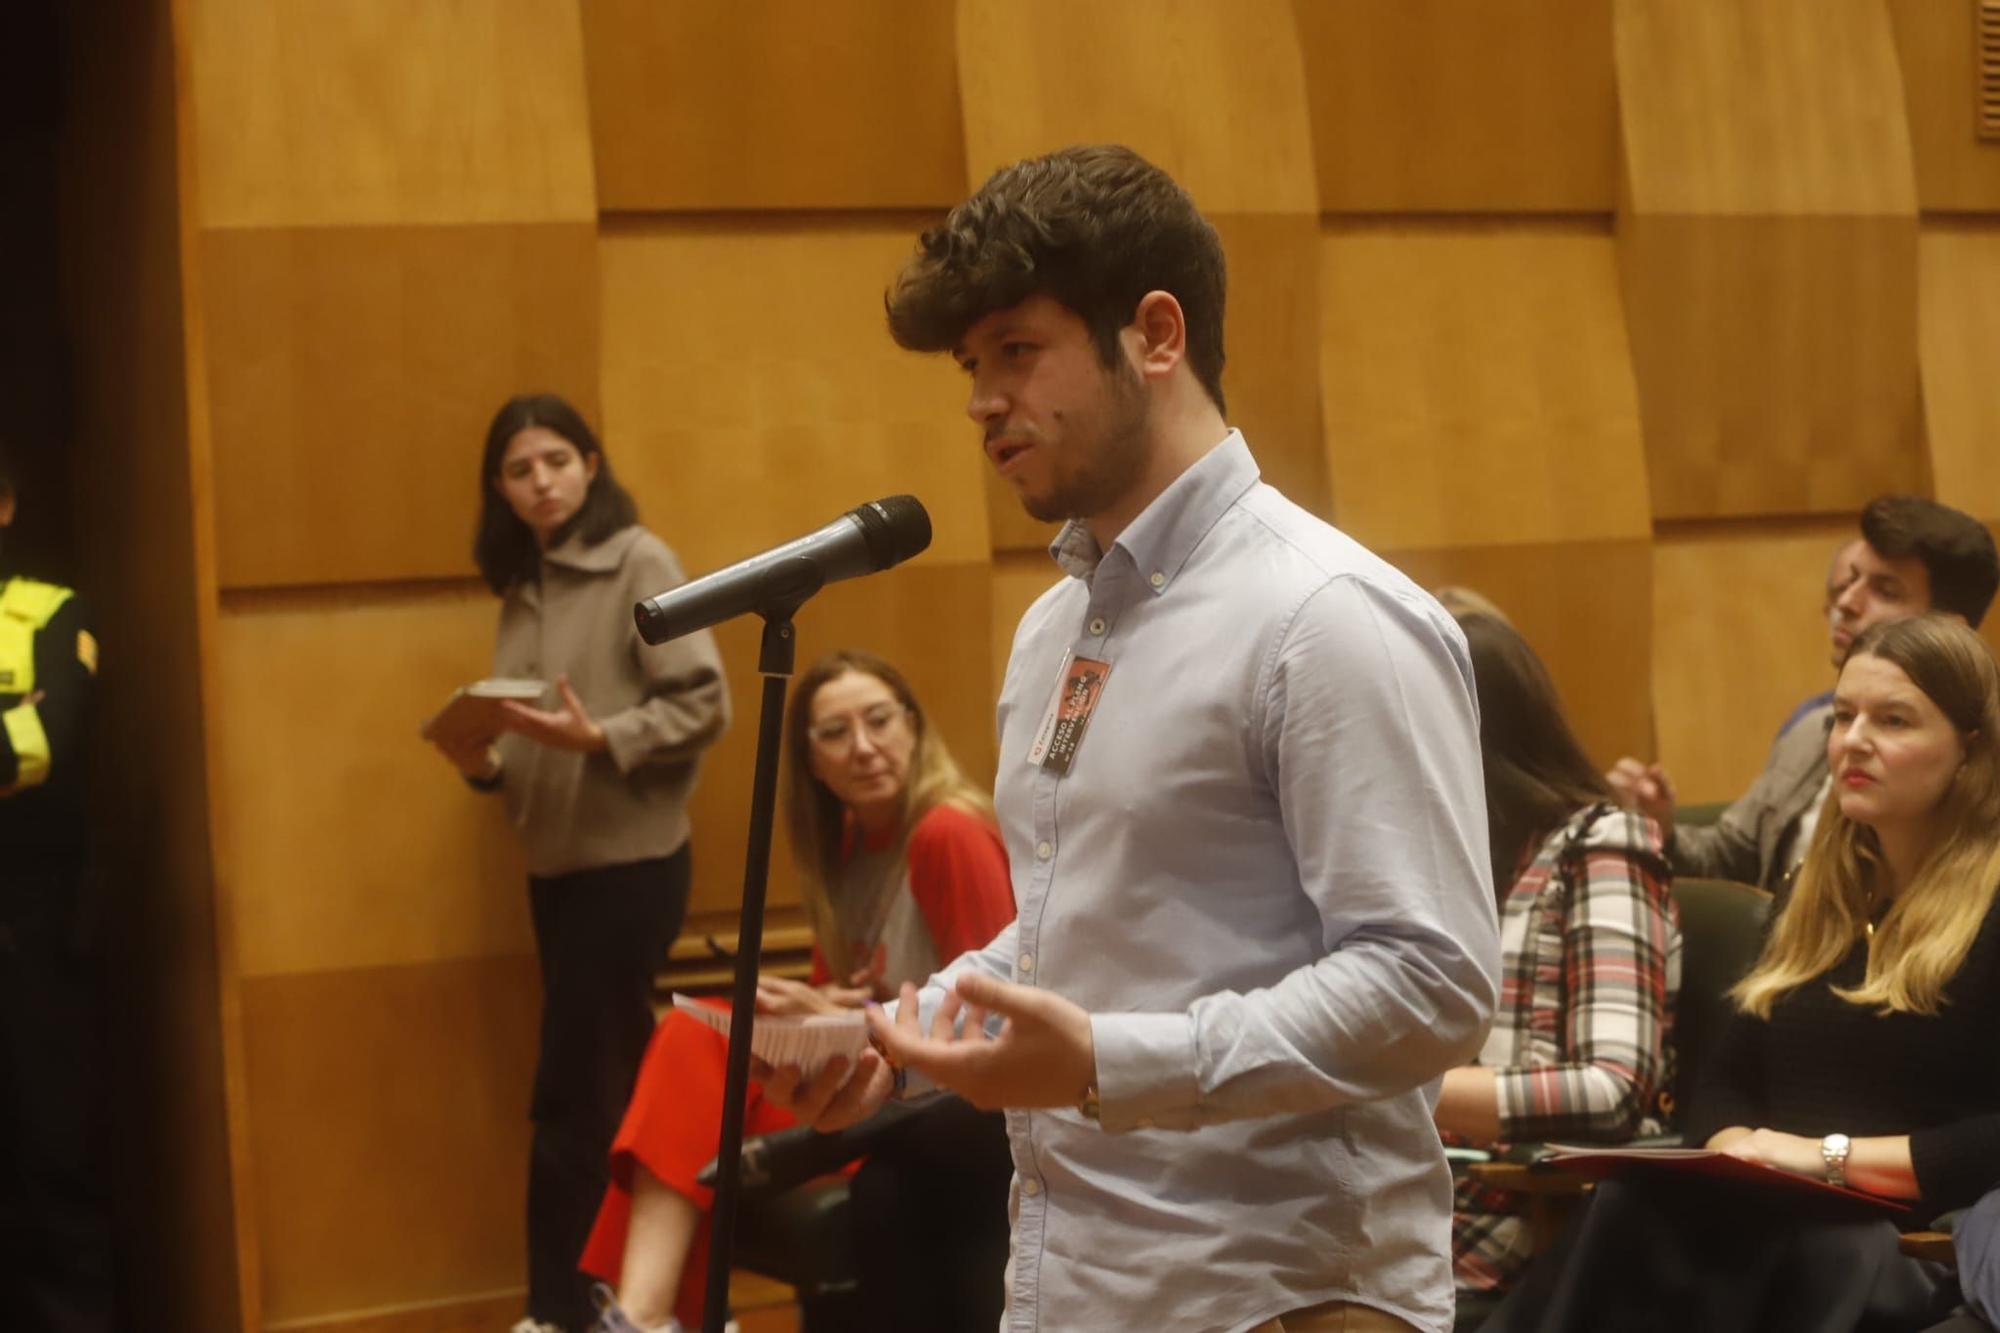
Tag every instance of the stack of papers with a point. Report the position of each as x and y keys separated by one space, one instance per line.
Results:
x=808 y=1042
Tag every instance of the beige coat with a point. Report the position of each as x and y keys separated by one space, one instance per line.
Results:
x=659 y=707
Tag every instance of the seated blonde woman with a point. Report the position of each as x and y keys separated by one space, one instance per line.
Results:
x=1863 y=1053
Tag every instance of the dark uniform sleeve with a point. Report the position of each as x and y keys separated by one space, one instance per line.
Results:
x=43 y=739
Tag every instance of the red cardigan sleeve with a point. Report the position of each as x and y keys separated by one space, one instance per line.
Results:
x=958 y=875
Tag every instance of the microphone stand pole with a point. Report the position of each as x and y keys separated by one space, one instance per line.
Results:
x=775 y=663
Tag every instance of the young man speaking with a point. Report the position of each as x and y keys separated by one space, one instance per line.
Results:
x=1240 y=787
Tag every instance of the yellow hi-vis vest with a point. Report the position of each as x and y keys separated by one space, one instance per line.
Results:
x=25 y=608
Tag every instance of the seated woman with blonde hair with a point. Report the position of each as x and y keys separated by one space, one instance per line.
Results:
x=1863 y=1051
x=902 y=871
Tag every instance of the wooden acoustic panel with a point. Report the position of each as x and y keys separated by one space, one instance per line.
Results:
x=1776 y=359
x=1271 y=337
x=1585 y=608
x=1961 y=363
x=789 y=104
x=1787 y=107
x=351 y=374
x=1767 y=243
x=380 y=112
x=752 y=392
x=1442 y=106
x=1739 y=640
x=1214 y=94
x=389 y=1130
x=1477 y=389
x=352 y=843
x=1957 y=171
x=931 y=620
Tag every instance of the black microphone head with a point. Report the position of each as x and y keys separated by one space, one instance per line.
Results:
x=895 y=528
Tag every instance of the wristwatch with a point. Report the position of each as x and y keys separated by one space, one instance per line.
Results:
x=1833 y=1150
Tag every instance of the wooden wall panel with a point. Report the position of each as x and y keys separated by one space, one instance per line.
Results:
x=1739 y=640
x=372 y=852
x=1776 y=360
x=1961 y=363
x=1768 y=246
x=783 y=104
x=371 y=112
x=1482 y=428
x=1783 y=107
x=1585 y=608
x=353 y=371
x=1271 y=376
x=1215 y=94
x=1437 y=105
x=751 y=392
x=1956 y=170
x=416 y=1185
x=1477 y=388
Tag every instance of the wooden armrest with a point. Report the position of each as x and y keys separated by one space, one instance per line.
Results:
x=1524 y=1179
x=1933 y=1245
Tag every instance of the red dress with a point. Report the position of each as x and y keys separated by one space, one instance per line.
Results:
x=957 y=873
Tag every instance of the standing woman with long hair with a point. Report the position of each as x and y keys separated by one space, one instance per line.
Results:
x=1862 y=1053
x=597 y=787
x=1590 y=949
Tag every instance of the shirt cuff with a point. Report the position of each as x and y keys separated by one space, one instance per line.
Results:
x=1145 y=1069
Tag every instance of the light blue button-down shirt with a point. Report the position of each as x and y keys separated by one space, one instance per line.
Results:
x=1266 y=876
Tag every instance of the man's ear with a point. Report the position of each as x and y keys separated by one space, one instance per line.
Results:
x=6 y=506
x=1160 y=327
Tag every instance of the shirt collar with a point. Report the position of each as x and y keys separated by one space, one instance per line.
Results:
x=1165 y=533
x=601 y=558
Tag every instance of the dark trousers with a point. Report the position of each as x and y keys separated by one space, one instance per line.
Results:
x=601 y=935
x=55 y=1236
x=1669 y=1253
x=929 y=1210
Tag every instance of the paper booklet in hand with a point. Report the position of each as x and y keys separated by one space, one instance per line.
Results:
x=808 y=1042
x=1704 y=1162
x=473 y=711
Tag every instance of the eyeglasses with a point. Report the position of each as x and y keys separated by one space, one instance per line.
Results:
x=836 y=734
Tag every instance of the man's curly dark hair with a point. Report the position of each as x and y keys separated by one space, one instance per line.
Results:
x=1094 y=227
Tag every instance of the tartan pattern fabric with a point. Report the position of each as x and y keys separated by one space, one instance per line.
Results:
x=1590 y=965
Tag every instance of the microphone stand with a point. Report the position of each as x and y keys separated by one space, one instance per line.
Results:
x=775 y=662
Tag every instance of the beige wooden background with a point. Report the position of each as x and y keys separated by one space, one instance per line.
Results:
x=1615 y=309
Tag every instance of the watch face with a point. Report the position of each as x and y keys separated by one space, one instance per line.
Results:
x=1836 y=1144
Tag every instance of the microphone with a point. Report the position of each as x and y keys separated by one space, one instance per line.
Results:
x=863 y=540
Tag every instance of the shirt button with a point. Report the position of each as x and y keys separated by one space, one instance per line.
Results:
x=1158 y=580
x=1097 y=625
x=1031 y=1187
x=1027 y=962
x=1044 y=850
